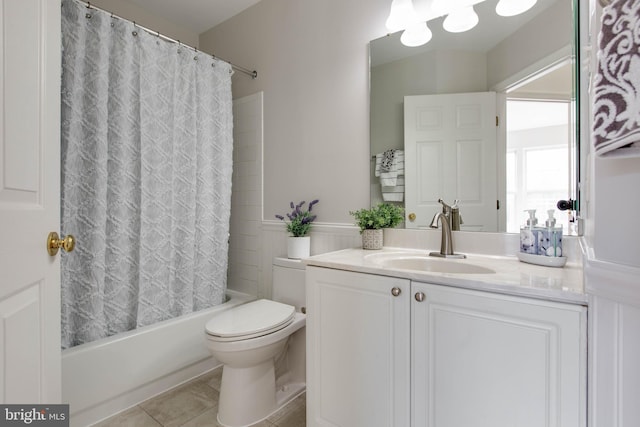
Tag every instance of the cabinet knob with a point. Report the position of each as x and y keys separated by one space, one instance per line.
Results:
x=396 y=291
x=420 y=296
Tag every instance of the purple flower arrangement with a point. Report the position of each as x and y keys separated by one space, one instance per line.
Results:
x=299 y=219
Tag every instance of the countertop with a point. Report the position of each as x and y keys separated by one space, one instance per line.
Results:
x=511 y=276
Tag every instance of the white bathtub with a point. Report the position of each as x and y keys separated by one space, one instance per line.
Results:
x=107 y=376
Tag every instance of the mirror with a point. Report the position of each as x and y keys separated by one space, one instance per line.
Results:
x=526 y=65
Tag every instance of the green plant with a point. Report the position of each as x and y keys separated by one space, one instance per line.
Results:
x=384 y=215
x=299 y=219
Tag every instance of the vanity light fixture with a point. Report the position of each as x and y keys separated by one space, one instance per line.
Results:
x=416 y=35
x=461 y=20
x=401 y=16
x=460 y=16
x=513 y=7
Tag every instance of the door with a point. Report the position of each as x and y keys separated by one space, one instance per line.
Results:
x=29 y=201
x=450 y=153
x=485 y=360
x=357 y=349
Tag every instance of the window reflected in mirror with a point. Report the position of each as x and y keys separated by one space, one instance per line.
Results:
x=537 y=159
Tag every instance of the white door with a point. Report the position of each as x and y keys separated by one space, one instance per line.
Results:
x=29 y=201
x=485 y=360
x=357 y=349
x=450 y=153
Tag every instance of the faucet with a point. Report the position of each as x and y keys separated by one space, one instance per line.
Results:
x=446 y=244
x=452 y=213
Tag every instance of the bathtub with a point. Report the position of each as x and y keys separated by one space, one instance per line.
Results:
x=104 y=377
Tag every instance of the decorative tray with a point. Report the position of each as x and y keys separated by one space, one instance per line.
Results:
x=547 y=261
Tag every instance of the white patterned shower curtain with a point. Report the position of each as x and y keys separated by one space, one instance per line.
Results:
x=146 y=176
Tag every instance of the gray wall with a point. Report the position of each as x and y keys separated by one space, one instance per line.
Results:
x=148 y=19
x=312 y=59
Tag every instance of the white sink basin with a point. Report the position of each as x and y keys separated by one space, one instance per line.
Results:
x=435 y=265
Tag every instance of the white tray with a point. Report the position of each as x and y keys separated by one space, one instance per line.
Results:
x=547 y=261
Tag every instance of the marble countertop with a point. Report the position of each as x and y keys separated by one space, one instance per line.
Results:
x=511 y=276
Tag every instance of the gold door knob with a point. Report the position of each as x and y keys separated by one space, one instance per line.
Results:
x=54 y=242
x=412 y=217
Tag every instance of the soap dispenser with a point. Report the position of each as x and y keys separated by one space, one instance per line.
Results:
x=551 y=237
x=529 y=234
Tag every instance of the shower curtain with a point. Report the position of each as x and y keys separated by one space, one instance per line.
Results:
x=146 y=176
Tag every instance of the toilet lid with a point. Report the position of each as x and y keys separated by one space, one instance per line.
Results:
x=253 y=319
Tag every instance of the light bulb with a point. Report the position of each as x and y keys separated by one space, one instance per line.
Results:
x=513 y=7
x=401 y=16
x=461 y=20
x=440 y=7
x=416 y=35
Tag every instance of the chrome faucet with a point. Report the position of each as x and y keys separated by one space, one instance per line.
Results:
x=446 y=244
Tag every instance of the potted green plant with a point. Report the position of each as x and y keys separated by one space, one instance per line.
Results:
x=299 y=224
x=372 y=221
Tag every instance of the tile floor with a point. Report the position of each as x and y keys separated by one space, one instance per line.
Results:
x=195 y=404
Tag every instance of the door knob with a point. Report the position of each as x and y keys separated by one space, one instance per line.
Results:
x=396 y=291
x=54 y=242
x=412 y=217
x=420 y=296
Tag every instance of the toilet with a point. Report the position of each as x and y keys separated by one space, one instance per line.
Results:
x=261 y=345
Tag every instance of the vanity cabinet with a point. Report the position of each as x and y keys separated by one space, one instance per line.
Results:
x=384 y=351
x=358 y=349
x=485 y=360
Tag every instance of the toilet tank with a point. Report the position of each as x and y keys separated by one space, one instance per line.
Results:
x=288 y=285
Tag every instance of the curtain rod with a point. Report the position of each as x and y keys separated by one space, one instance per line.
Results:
x=252 y=73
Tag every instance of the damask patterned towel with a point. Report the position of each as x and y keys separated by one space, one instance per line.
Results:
x=616 y=110
x=387 y=160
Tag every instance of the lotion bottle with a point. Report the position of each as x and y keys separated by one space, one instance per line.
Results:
x=551 y=237
x=529 y=234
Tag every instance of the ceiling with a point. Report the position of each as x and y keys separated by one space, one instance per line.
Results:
x=195 y=15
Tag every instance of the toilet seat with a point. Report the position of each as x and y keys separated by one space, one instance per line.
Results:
x=251 y=320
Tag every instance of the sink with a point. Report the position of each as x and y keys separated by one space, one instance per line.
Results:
x=424 y=263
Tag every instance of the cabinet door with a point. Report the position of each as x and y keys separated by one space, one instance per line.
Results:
x=358 y=342
x=488 y=360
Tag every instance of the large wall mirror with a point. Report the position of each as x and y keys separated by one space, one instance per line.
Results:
x=487 y=117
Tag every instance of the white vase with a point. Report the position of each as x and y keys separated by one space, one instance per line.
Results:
x=372 y=239
x=298 y=247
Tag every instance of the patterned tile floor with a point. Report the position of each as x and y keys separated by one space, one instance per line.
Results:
x=195 y=404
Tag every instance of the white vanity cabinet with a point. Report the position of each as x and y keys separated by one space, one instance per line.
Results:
x=358 y=357
x=483 y=359
x=384 y=351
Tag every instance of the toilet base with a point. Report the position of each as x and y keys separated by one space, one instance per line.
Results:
x=284 y=395
x=256 y=388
